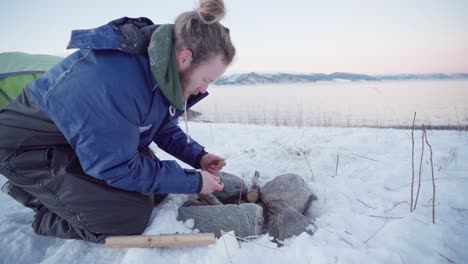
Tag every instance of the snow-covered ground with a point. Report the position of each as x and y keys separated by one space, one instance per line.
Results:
x=362 y=213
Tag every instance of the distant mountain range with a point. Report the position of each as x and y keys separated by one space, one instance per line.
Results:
x=260 y=78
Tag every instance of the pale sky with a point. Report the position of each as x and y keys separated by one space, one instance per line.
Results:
x=307 y=36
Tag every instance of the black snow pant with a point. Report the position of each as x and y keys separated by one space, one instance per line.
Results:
x=36 y=158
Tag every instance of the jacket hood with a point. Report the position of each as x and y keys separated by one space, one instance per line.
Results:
x=138 y=36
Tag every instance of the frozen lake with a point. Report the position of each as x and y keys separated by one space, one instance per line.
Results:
x=364 y=103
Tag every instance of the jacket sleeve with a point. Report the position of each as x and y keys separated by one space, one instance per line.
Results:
x=112 y=155
x=173 y=140
x=99 y=116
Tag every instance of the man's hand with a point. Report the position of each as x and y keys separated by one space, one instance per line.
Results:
x=211 y=163
x=210 y=183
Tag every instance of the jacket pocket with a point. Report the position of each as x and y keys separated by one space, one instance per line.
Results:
x=30 y=166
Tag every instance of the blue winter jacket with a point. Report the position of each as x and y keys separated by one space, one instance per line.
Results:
x=106 y=102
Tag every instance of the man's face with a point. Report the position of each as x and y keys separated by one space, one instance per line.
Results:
x=196 y=80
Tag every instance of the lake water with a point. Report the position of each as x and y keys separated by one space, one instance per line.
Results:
x=366 y=103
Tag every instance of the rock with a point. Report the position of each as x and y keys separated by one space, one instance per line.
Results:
x=232 y=187
x=288 y=190
x=244 y=219
x=288 y=222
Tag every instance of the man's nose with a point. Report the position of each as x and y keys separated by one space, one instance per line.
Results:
x=203 y=88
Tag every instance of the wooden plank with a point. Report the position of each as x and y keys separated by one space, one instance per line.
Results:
x=198 y=239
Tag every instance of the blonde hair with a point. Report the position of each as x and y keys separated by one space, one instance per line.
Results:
x=200 y=32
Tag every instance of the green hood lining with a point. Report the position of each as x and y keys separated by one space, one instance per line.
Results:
x=164 y=65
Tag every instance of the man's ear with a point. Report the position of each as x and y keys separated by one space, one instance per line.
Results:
x=184 y=59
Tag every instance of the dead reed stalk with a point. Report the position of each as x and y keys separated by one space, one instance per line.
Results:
x=420 y=167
